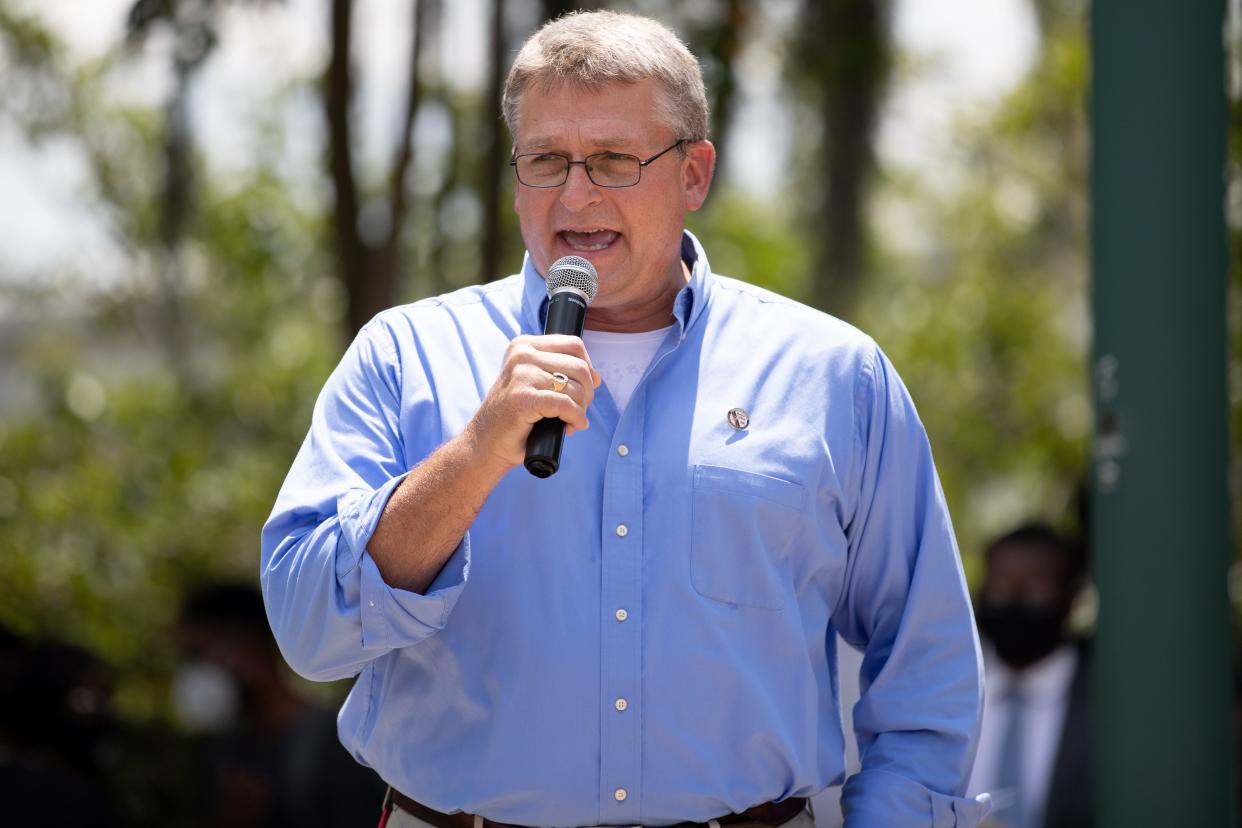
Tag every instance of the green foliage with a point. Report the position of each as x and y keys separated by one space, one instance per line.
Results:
x=129 y=488
x=752 y=241
x=171 y=404
x=145 y=469
x=987 y=318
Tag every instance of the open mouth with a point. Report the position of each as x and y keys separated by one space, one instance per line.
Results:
x=589 y=241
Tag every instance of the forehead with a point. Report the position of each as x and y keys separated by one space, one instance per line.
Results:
x=614 y=115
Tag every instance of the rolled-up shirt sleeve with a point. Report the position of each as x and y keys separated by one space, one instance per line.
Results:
x=906 y=607
x=328 y=605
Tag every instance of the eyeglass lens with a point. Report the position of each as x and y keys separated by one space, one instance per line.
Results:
x=607 y=169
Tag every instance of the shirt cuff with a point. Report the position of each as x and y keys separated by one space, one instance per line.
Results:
x=879 y=798
x=391 y=617
x=358 y=512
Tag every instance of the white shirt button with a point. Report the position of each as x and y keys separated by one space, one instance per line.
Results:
x=619 y=794
x=622 y=615
x=622 y=530
x=621 y=704
x=623 y=450
x=370 y=603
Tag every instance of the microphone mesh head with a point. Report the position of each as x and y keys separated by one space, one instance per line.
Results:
x=575 y=272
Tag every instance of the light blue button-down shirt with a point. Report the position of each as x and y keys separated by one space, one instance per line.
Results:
x=648 y=636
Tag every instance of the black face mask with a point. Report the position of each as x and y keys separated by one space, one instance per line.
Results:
x=1022 y=634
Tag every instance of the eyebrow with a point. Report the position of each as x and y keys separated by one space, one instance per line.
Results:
x=603 y=143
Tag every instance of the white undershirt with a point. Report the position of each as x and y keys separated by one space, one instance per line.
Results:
x=622 y=358
x=1045 y=686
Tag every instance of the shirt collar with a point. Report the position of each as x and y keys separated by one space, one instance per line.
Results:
x=692 y=299
x=688 y=305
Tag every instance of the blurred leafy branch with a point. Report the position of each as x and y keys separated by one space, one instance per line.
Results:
x=989 y=321
x=169 y=405
x=158 y=441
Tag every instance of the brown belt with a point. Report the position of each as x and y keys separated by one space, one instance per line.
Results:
x=769 y=813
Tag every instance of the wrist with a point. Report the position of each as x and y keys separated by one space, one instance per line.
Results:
x=475 y=452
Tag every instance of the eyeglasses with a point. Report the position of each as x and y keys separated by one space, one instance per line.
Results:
x=605 y=169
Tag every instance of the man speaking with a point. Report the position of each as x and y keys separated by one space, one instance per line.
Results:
x=647 y=636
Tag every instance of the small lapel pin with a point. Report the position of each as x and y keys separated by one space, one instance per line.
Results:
x=738 y=418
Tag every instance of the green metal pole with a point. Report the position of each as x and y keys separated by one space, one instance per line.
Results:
x=1160 y=503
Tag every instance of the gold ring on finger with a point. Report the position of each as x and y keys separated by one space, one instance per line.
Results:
x=559 y=381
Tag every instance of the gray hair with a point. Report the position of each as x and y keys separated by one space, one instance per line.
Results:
x=592 y=49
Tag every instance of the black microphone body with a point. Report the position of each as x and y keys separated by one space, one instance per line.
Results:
x=567 y=308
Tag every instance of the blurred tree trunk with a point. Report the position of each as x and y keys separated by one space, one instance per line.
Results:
x=176 y=204
x=722 y=44
x=494 y=157
x=400 y=207
x=368 y=271
x=353 y=261
x=449 y=184
x=846 y=46
x=194 y=32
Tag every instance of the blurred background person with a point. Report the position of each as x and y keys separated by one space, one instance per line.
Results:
x=54 y=716
x=1035 y=744
x=270 y=757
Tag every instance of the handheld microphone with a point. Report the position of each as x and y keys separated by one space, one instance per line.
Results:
x=572 y=284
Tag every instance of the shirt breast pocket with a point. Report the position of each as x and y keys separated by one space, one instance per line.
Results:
x=742 y=524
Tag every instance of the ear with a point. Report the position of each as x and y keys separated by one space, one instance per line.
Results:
x=697 y=169
x=517 y=193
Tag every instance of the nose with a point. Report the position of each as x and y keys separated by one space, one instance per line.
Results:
x=579 y=191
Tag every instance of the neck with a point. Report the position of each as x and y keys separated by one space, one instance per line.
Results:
x=649 y=316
